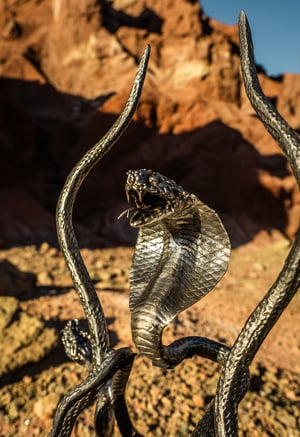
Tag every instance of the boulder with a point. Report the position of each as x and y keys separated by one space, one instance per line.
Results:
x=24 y=338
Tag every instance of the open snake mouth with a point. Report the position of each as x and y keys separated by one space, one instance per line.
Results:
x=153 y=195
x=147 y=206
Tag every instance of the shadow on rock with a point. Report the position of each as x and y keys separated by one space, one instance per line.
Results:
x=30 y=345
x=114 y=18
x=25 y=339
x=44 y=132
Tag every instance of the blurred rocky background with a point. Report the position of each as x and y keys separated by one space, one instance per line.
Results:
x=66 y=68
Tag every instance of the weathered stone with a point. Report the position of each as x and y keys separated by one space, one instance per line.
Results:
x=24 y=338
x=161 y=402
x=8 y=308
x=68 y=62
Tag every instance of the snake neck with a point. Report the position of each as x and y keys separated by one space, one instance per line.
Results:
x=166 y=245
x=176 y=262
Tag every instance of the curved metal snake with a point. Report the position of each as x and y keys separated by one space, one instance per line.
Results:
x=286 y=285
x=104 y=364
x=181 y=253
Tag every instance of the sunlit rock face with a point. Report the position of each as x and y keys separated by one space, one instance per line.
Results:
x=65 y=73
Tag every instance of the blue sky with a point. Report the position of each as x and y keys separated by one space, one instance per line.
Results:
x=275 y=29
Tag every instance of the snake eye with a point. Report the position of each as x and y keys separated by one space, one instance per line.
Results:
x=154 y=181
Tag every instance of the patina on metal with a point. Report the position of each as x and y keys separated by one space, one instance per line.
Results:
x=181 y=253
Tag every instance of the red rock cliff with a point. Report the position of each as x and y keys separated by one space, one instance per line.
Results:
x=65 y=72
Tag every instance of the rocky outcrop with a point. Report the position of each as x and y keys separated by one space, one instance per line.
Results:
x=65 y=75
x=24 y=338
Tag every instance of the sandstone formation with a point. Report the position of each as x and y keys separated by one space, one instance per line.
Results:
x=65 y=72
x=24 y=338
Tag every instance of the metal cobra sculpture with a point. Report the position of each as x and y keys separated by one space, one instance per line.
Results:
x=103 y=383
x=181 y=253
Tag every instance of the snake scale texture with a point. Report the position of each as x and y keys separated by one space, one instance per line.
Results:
x=92 y=349
x=287 y=283
x=182 y=251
